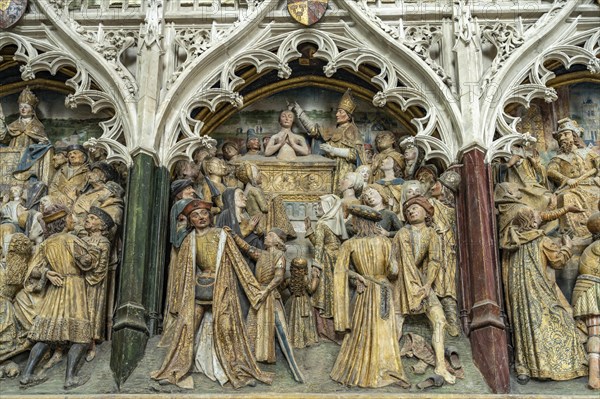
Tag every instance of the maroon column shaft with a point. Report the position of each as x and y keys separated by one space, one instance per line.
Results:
x=480 y=277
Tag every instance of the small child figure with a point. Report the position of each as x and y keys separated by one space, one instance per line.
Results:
x=301 y=318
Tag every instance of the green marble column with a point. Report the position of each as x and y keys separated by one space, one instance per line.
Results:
x=142 y=263
x=154 y=282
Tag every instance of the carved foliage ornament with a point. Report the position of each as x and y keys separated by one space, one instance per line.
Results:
x=327 y=44
x=109 y=44
x=572 y=48
x=38 y=56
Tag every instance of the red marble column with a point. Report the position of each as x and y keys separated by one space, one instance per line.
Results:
x=480 y=276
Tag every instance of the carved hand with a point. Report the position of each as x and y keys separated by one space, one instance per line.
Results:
x=307 y=223
x=382 y=231
x=55 y=278
x=574 y=209
x=327 y=148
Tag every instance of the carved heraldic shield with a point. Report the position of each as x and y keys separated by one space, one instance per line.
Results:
x=11 y=11
x=307 y=12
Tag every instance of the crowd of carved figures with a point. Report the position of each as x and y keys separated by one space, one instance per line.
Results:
x=548 y=220
x=61 y=216
x=384 y=250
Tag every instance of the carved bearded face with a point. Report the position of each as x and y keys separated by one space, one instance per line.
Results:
x=566 y=141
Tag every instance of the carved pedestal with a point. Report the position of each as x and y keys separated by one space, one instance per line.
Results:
x=303 y=180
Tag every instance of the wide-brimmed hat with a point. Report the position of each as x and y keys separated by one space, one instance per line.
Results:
x=422 y=202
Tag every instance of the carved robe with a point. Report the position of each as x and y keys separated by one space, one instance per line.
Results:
x=68 y=183
x=63 y=313
x=545 y=335
x=96 y=287
x=370 y=354
x=230 y=341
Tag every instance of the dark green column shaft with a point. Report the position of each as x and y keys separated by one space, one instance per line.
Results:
x=140 y=277
x=154 y=282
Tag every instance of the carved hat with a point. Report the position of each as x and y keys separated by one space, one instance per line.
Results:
x=299 y=263
x=280 y=233
x=77 y=147
x=28 y=97
x=567 y=124
x=251 y=134
x=347 y=102
x=407 y=141
x=428 y=167
x=450 y=179
x=421 y=201
x=365 y=212
x=60 y=147
x=53 y=213
x=196 y=204
x=179 y=185
x=593 y=223
x=230 y=144
x=244 y=172
x=102 y=215
x=107 y=169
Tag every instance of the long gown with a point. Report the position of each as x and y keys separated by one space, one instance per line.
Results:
x=370 y=355
x=545 y=335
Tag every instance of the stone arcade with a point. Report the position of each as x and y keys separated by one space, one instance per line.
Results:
x=290 y=197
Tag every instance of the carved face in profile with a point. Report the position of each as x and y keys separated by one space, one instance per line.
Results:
x=230 y=151
x=286 y=119
x=416 y=214
x=187 y=193
x=217 y=167
x=96 y=176
x=342 y=116
x=25 y=110
x=256 y=175
x=272 y=240
x=200 y=219
x=16 y=192
x=239 y=199
x=384 y=140
x=59 y=159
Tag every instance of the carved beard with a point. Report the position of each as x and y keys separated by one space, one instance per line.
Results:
x=566 y=147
